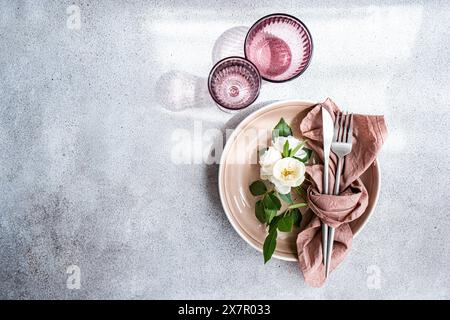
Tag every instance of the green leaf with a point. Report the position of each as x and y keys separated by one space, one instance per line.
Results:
x=274 y=223
x=271 y=205
x=258 y=188
x=286 y=198
x=270 y=244
x=285 y=223
x=297 y=205
x=271 y=201
x=297 y=147
x=286 y=149
x=297 y=217
x=275 y=200
x=268 y=203
x=269 y=214
x=259 y=212
x=282 y=129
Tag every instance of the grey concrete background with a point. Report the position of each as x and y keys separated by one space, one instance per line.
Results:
x=89 y=120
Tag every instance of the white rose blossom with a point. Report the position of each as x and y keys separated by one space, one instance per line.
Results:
x=287 y=173
x=267 y=160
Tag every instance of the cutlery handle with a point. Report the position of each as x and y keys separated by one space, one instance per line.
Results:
x=329 y=250
x=330 y=236
x=325 y=175
x=324 y=242
x=324 y=225
x=337 y=177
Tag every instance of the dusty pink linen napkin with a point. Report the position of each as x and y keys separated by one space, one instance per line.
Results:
x=369 y=133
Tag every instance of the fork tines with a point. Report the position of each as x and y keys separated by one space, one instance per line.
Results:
x=343 y=127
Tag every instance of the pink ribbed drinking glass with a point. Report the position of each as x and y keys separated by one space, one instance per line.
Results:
x=280 y=46
x=234 y=83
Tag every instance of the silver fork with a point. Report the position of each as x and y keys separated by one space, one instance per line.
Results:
x=341 y=146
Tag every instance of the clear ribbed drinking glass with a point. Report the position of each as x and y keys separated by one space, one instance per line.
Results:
x=280 y=46
x=234 y=83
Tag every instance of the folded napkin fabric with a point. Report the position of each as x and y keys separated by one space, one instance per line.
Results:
x=369 y=134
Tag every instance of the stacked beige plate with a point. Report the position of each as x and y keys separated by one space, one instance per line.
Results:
x=239 y=168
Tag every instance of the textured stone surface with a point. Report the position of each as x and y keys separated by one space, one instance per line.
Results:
x=89 y=118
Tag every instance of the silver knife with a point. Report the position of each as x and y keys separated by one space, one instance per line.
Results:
x=327 y=134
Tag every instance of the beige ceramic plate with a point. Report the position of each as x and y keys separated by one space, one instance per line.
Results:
x=238 y=169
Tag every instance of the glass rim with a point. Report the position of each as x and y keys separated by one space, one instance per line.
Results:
x=242 y=59
x=286 y=15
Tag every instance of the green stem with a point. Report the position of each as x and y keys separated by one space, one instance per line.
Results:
x=297 y=205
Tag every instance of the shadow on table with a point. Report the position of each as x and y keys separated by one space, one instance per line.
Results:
x=178 y=90
x=230 y=43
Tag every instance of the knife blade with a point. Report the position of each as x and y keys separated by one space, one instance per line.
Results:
x=327 y=134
